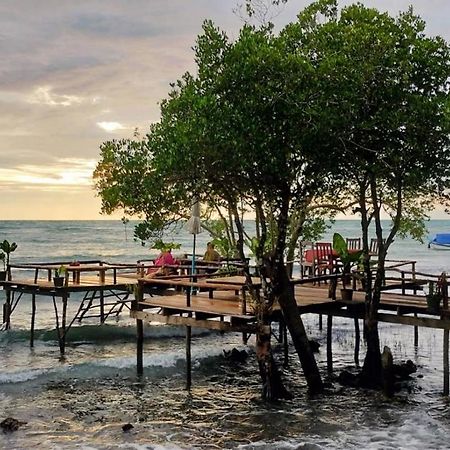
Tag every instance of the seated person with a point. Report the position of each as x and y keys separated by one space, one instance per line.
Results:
x=211 y=253
x=159 y=266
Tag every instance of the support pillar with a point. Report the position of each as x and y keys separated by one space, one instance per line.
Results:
x=188 y=358
x=329 y=344
x=7 y=311
x=102 y=307
x=33 y=317
x=285 y=346
x=139 y=347
x=357 y=341
x=135 y=305
x=62 y=329
x=446 y=362
x=416 y=334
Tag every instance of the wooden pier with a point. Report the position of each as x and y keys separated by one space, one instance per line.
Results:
x=105 y=290
x=214 y=303
x=224 y=304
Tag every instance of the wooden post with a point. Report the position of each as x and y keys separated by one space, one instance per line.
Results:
x=416 y=334
x=329 y=344
x=33 y=316
x=285 y=346
x=7 y=310
x=357 y=341
x=320 y=322
x=446 y=365
x=138 y=297
x=140 y=347
x=403 y=283
x=188 y=357
x=102 y=306
x=62 y=330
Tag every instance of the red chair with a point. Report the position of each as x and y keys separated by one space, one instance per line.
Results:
x=324 y=258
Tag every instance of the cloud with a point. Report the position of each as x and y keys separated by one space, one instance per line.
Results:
x=44 y=96
x=74 y=173
x=115 y=25
x=111 y=127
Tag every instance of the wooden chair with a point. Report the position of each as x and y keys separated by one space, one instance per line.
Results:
x=353 y=243
x=374 y=247
x=307 y=259
x=324 y=258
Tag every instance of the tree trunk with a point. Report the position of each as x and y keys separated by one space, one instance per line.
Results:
x=372 y=369
x=272 y=385
x=285 y=296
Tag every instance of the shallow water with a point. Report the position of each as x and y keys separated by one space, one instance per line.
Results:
x=83 y=401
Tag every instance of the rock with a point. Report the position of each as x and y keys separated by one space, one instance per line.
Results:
x=347 y=378
x=236 y=355
x=127 y=427
x=314 y=345
x=10 y=424
x=404 y=370
x=387 y=372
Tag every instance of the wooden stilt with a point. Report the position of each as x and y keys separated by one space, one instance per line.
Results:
x=7 y=311
x=329 y=344
x=416 y=334
x=140 y=347
x=320 y=322
x=357 y=342
x=135 y=305
x=446 y=365
x=188 y=358
x=285 y=346
x=62 y=330
x=33 y=317
x=102 y=307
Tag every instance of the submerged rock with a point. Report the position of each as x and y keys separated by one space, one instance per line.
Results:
x=127 y=427
x=236 y=355
x=10 y=424
x=315 y=346
x=404 y=370
x=347 y=378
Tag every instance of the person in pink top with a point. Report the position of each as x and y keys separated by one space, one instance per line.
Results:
x=160 y=265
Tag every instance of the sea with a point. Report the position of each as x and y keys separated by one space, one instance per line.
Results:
x=84 y=400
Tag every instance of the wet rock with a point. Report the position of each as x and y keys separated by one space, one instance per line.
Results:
x=314 y=345
x=308 y=446
x=347 y=378
x=404 y=370
x=10 y=424
x=387 y=370
x=236 y=355
x=127 y=427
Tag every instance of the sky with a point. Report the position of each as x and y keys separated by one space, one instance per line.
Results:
x=74 y=74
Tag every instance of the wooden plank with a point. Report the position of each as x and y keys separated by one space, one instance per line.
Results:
x=425 y=322
x=191 y=284
x=199 y=303
x=191 y=321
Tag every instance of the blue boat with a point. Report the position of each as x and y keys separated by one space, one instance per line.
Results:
x=441 y=241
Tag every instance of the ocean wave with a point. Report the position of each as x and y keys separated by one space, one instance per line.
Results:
x=21 y=376
x=98 y=333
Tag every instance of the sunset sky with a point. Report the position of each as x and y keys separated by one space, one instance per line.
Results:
x=77 y=73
